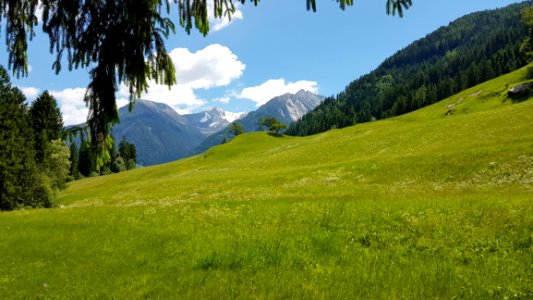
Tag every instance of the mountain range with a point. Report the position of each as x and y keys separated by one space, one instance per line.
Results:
x=213 y=120
x=286 y=108
x=160 y=134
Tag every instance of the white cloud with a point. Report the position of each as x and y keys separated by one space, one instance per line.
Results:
x=72 y=106
x=223 y=100
x=123 y=96
x=70 y=102
x=274 y=87
x=31 y=93
x=217 y=24
x=180 y=97
x=39 y=12
x=122 y=102
x=213 y=66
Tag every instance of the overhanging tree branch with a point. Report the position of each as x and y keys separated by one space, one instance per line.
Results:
x=120 y=41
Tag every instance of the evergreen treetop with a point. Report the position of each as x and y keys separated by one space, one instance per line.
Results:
x=47 y=123
x=20 y=183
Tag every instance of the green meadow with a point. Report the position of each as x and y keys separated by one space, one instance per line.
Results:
x=437 y=203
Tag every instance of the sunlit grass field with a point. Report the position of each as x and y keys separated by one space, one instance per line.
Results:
x=433 y=204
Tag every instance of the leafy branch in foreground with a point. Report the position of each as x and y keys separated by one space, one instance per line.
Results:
x=118 y=41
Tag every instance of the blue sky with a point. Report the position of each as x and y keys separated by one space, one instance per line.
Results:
x=265 y=51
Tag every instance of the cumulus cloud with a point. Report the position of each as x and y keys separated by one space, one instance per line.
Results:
x=274 y=87
x=179 y=97
x=213 y=66
x=72 y=106
x=70 y=102
x=217 y=24
x=223 y=100
x=31 y=93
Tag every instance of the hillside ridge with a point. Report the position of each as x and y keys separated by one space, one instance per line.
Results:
x=425 y=133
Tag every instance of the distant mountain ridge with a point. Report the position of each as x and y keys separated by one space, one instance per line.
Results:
x=161 y=135
x=212 y=120
x=286 y=108
x=158 y=132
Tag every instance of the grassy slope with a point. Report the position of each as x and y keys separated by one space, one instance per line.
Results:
x=424 y=205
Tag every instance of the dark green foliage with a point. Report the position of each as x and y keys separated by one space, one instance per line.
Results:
x=47 y=124
x=86 y=164
x=119 y=41
x=110 y=166
x=267 y=122
x=471 y=50
x=74 y=160
x=83 y=160
x=277 y=128
x=20 y=183
x=527 y=45
x=119 y=165
x=393 y=6
x=273 y=125
x=236 y=129
x=128 y=153
x=399 y=6
x=57 y=165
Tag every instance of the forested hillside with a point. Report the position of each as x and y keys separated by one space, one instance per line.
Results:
x=470 y=50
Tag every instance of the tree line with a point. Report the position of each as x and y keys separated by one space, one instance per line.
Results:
x=83 y=160
x=471 y=50
x=35 y=161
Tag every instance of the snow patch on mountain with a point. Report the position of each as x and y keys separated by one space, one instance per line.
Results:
x=213 y=120
x=232 y=116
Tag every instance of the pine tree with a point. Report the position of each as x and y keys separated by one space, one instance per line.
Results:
x=47 y=124
x=74 y=160
x=85 y=164
x=527 y=45
x=57 y=164
x=128 y=153
x=20 y=183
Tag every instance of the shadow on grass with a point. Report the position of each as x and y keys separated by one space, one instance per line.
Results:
x=276 y=134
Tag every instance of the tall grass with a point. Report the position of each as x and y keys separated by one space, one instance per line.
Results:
x=427 y=205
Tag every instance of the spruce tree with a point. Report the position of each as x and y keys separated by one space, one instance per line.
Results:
x=85 y=165
x=57 y=165
x=47 y=123
x=128 y=152
x=527 y=45
x=20 y=183
x=74 y=160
